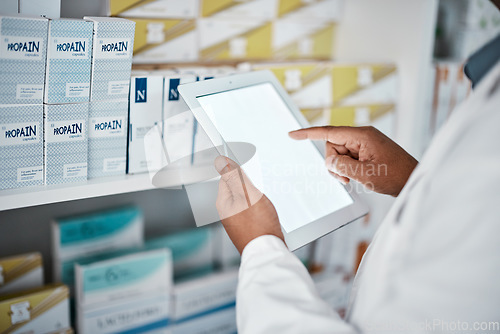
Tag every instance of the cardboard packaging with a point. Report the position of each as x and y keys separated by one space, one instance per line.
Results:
x=112 y=58
x=206 y=304
x=66 y=143
x=23 y=51
x=132 y=8
x=21 y=272
x=322 y=10
x=232 y=38
x=145 y=110
x=125 y=294
x=41 y=310
x=192 y=251
x=234 y=9
x=107 y=152
x=303 y=39
x=21 y=145
x=220 y=322
x=154 y=9
x=165 y=40
x=81 y=237
x=69 y=56
x=323 y=84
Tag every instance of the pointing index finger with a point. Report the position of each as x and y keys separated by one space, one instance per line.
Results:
x=334 y=134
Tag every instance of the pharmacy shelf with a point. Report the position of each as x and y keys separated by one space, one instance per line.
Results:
x=33 y=196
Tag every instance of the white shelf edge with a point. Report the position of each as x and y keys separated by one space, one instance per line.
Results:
x=39 y=195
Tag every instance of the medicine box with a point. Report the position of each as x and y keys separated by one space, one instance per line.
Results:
x=206 y=294
x=83 y=236
x=252 y=9
x=192 y=251
x=323 y=84
x=41 y=310
x=132 y=8
x=221 y=322
x=145 y=110
x=107 y=152
x=233 y=38
x=66 y=142
x=165 y=40
x=23 y=50
x=303 y=39
x=20 y=272
x=69 y=56
x=112 y=58
x=322 y=10
x=21 y=145
x=154 y=8
x=130 y=293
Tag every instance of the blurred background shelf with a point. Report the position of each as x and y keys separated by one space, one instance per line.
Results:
x=33 y=196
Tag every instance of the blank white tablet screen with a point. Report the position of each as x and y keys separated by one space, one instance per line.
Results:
x=290 y=173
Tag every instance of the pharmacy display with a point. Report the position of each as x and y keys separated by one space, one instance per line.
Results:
x=254 y=108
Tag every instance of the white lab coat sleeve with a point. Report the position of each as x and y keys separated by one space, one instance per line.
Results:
x=277 y=295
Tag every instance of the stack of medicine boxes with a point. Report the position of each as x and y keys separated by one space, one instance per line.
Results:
x=111 y=66
x=23 y=49
x=66 y=100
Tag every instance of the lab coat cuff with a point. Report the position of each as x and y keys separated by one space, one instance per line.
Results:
x=264 y=244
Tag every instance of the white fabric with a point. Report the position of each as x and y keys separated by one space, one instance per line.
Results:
x=434 y=264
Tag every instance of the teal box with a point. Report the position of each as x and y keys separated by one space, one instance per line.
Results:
x=192 y=250
x=91 y=235
x=69 y=61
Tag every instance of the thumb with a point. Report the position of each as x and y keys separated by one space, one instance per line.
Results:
x=234 y=183
x=346 y=166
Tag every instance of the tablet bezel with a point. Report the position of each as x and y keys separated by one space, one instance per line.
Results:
x=307 y=233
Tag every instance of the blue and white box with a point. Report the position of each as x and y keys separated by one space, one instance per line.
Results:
x=81 y=237
x=207 y=295
x=112 y=57
x=107 y=154
x=66 y=142
x=23 y=50
x=145 y=110
x=192 y=250
x=69 y=56
x=128 y=294
x=21 y=145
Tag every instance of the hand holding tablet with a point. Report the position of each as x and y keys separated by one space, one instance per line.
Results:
x=254 y=108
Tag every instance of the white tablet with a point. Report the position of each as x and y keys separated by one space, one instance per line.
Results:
x=254 y=108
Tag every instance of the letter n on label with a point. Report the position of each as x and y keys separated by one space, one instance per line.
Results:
x=173 y=93
x=141 y=90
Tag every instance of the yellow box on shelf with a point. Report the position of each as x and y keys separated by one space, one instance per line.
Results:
x=21 y=272
x=154 y=8
x=257 y=9
x=312 y=9
x=295 y=39
x=358 y=115
x=364 y=83
x=226 y=39
x=308 y=83
x=42 y=310
x=314 y=85
x=165 y=40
